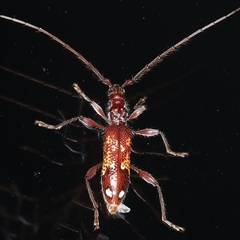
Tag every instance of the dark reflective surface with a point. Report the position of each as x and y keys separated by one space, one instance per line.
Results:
x=193 y=97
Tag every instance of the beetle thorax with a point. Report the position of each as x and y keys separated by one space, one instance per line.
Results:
x=117 y=109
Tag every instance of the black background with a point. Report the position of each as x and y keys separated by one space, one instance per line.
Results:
x=193 y=96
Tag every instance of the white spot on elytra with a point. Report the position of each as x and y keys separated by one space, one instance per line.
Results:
x=114 y=145
x=114 y=148
x=122 y=166
x=109 y=193
x=112 y=166
x=122 y=148
x=121 y=194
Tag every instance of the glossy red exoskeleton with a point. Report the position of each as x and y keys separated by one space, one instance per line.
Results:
x=116 y=166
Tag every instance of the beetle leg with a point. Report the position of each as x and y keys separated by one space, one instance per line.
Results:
x=140 y=102
x=55 y=127
x=90 y=174
x=87 y=122
x=149 y=132
x=151 y=180
x=139 y=110
x=95 y=106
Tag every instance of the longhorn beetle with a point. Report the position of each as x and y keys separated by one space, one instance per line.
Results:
x=115 y=167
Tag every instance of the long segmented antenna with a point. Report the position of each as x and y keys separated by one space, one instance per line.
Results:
x=65 y=45
x=173 y=49
x=144 y=70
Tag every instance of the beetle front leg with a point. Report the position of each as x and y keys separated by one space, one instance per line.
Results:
x=90 y=174
x=151 y=180
x=140 y=102
x=149 y=132
x=98 y=109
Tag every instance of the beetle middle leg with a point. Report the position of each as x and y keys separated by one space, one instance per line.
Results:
x=149 y=132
